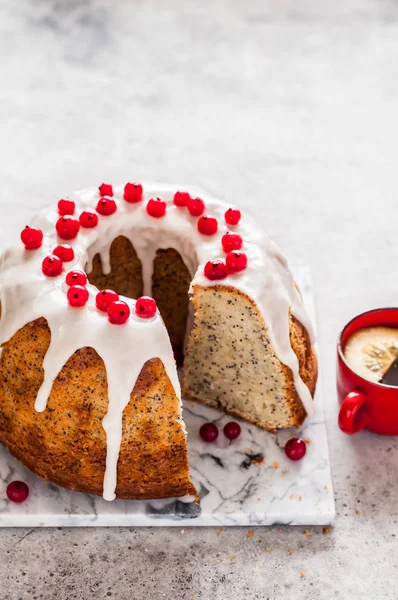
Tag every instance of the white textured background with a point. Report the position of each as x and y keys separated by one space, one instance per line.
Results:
x=289 y=109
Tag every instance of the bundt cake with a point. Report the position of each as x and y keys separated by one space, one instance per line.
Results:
x=89 y=393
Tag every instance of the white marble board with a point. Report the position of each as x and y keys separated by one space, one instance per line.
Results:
x=247 y=482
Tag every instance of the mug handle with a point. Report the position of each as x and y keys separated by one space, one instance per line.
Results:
x=353 y=416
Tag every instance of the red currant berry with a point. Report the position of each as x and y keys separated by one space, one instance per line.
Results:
x=64 y=252
x=232 y=430
x=32 y=237
x=104 y=298
x=156 y=208
x=231 y=241
x=295 y=448
x=66 y=207
x=118 y=312
x=133 y=192
x=77 y=295
x=207 y=225
x=145 y=307
x=232 y=216
x=52 y=266
x=215 y=269
x=178 y=354
x=88 y=219
x=196 y=207
x=105 y=189
x=236 y=261
x=181 y=198
x=106 y=206
x=208 y=432
x=67 y=227
x=17 y=491
x=76 y=278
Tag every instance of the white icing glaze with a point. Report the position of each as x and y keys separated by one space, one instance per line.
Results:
x=26 y=294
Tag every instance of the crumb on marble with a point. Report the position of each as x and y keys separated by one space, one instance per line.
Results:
x=357 y=512
x=290 y=552
x=308 y=442
x=326 y=530
x=302 y=574
x=219 y=532
x=291 y=496
x=307 y=532
x=275 y=465
x=250 y=533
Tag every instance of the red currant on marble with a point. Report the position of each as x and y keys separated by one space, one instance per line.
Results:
x=232 y=216
x=232 y=430
x=17 y=491
x=67 y=227
x=181 y=198
x=77 y=295
x=156 y=208
x=196 y=207
x=133 y=192
x=32 y=237
x=145 y=307
x=215 y=269
x=52 y=266
x=88 y=219
x=104 y=298
x=105 y=189
x=76 y=278
x=207 y=225
x=118 y=312
x=236 y=261
x=106 y=206
x=64 y=252
x=295 y=448
x=208 y=432
x=66 y=207
x=231 y=241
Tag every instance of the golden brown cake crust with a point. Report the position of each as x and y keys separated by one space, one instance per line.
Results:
x=66 y=443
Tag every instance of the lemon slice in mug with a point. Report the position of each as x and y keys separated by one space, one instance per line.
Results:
x=371 y=351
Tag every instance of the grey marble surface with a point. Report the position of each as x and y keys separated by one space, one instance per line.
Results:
x=289 y=108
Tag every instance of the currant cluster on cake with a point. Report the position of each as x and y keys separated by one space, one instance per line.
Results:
x=68 y=227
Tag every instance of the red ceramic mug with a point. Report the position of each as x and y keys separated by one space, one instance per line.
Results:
x=364 y=404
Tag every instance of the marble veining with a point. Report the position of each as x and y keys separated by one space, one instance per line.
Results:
x=247 y=482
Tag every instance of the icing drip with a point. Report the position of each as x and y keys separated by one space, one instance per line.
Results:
x=26 y=294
